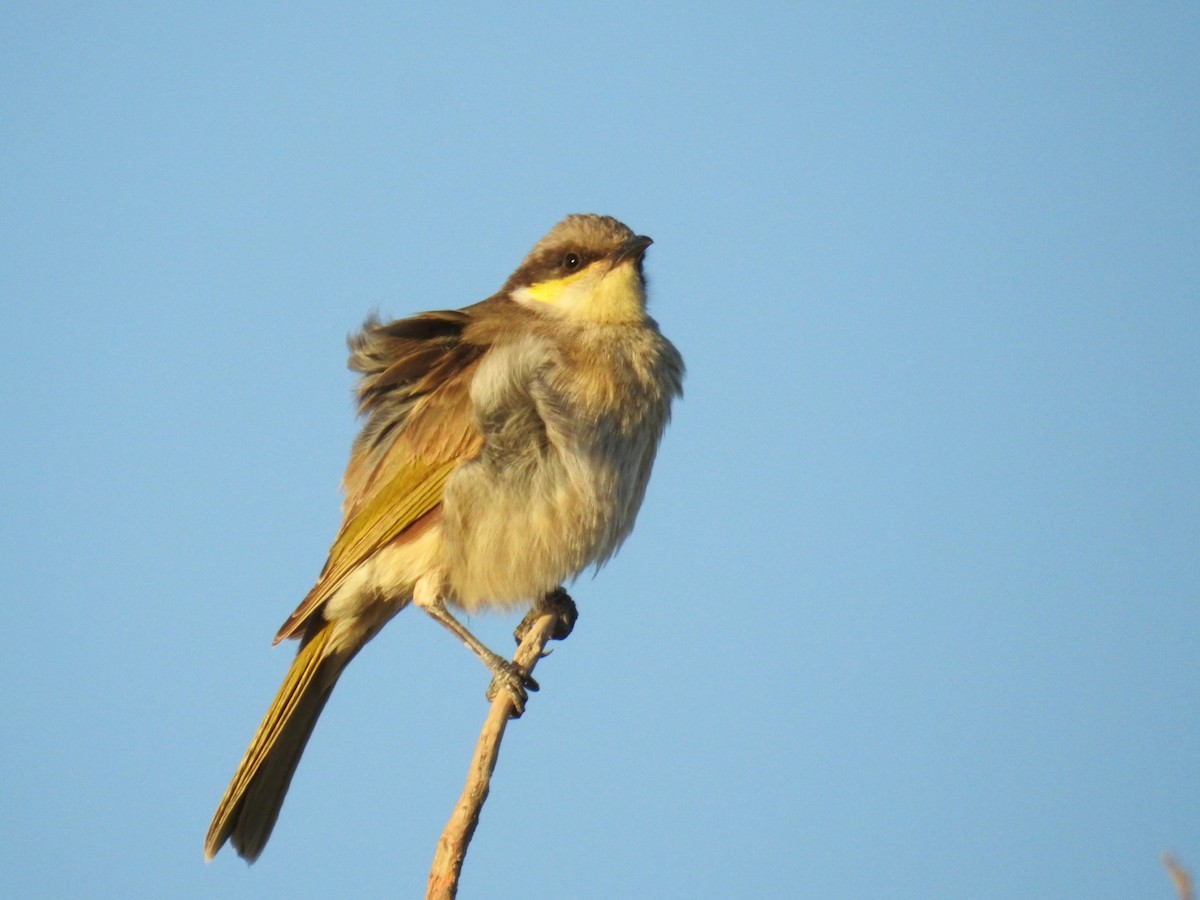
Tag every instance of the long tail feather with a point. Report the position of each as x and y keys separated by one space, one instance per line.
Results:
x=247 y=812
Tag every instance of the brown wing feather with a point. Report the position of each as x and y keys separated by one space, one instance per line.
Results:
x=415 y=394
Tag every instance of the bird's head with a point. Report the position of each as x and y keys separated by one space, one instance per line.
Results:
x=588 y=268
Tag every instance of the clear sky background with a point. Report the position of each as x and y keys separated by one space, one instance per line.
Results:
x=912 y=606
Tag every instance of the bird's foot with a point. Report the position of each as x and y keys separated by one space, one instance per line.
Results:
x=558 y=602
x=510 y=677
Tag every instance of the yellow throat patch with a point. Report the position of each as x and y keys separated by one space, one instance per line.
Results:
x=595 y=293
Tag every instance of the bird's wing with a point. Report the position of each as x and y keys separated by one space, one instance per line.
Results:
x=415 y=394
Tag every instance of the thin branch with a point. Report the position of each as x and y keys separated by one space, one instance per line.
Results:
x=1179 y=875
x=452 y=846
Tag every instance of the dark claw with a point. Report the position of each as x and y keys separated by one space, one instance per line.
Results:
x=509 y=678
x=557 y=601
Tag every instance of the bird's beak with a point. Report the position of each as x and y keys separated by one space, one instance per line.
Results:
x=634 y=248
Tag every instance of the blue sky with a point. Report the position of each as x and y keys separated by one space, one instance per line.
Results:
x=911 y=608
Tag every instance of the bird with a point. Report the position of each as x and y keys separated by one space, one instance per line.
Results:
x=505 y=448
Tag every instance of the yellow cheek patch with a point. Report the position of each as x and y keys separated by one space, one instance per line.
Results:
x=552 y=291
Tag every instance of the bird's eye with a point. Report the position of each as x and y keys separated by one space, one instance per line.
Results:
x=571 y=262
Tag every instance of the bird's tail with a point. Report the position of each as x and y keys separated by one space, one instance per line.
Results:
x=247 y=812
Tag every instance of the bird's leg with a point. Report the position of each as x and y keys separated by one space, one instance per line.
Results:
x=557 y=602
x=504 y=673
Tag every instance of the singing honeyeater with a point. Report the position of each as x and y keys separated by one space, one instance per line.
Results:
x=506 y=447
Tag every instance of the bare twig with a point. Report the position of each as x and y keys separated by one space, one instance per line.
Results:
x=452 y=846
x=1179 y=875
